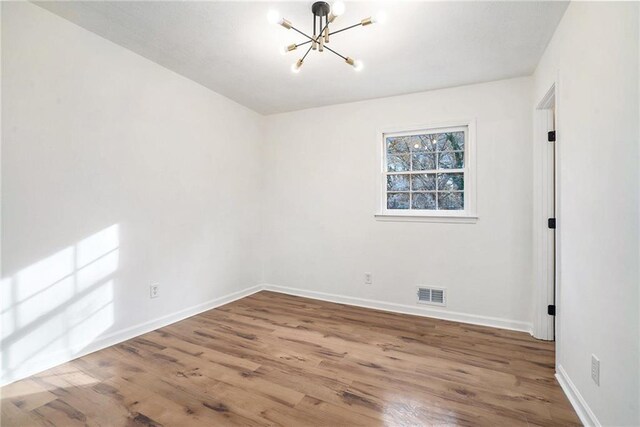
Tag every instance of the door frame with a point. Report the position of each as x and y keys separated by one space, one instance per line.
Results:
x=546 y=243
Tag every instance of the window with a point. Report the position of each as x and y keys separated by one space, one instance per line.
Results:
x=427 y=172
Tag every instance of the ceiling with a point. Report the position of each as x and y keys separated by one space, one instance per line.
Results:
x=230 y=47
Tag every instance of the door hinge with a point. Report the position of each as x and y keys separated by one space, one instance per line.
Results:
x=551 y=223
x=551 y=136
x=551 y=310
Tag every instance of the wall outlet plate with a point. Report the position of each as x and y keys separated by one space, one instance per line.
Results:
x=368 y=278
x=154 y=291
x=595 y=369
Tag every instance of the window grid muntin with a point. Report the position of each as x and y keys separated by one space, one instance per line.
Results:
x=437 y=171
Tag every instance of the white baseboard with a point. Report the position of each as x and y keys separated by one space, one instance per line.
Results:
x=58 y=358
x=418 y=310
x=117 y=337
x=581 y=407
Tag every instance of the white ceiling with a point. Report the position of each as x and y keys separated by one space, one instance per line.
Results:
x=230 y=47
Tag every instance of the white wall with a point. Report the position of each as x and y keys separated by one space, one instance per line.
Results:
x=116 y=173
x=321 y=188
x=594 y=56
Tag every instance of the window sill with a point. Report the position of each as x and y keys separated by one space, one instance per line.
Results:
x=398 y=217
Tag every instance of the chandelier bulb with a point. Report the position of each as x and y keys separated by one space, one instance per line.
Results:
x=379 y=18
x=296 y=67
x=326 y=34
x=357 y=65
x=337 y=8
x=273 y=17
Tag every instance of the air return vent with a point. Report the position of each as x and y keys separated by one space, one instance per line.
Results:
x=432 y=296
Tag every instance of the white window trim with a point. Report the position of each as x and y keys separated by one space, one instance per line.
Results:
x=468 y=215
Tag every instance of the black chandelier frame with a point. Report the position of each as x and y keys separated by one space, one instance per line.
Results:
x=322 y=17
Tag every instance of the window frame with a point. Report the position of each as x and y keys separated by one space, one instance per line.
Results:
x=469 y=213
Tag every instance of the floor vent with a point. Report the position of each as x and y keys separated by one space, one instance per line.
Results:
x=432 y=296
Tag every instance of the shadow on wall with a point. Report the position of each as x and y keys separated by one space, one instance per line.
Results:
x=57 y=306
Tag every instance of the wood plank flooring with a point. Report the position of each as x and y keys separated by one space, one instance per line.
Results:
x=274 y=359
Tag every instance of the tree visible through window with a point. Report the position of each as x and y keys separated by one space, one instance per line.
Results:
x=425 y=171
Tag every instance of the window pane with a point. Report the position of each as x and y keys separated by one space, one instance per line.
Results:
x=424 y=161
x=423 y=181
x=451 y=141
x=398 y=163
x=451 y=160
x=397 y=200
x=398 y=182
x=422 y=143
x=397 y=144
x=450 y=181
x=413 y=142
x=451 y=201
x=423 y=201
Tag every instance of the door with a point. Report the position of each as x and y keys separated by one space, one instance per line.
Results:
x=545 y=205
x=551 y=217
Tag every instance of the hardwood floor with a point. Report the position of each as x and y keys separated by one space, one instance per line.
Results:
x=274 y=359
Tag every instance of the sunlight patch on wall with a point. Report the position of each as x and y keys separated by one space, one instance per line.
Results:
x=57 y=306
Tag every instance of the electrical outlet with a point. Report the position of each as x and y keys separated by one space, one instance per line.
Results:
x=595 y=369
x=154 y=291
x=368 y=278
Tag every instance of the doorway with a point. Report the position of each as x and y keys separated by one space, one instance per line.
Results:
x=545 y=220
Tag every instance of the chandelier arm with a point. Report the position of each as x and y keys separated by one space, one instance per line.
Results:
x=300 y=32
x=306 y=53
x=311 y=39
x=335 y=32
x=303 y=43
x=359 y=24
x=325 y=26
x=333 y=51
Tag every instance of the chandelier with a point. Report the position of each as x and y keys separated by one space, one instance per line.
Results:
x=323 y=15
